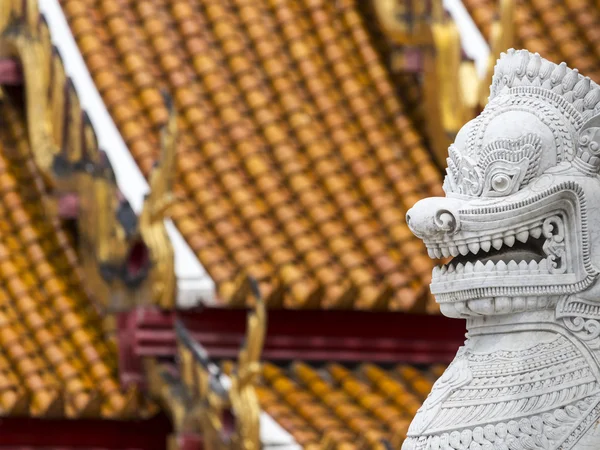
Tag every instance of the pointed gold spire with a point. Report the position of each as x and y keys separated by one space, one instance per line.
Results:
x=502 y=38
x=453 y=91
x=243 y=397
x=29 y=42
x=156 y=206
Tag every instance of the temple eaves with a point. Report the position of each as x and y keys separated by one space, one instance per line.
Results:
x=193 y=282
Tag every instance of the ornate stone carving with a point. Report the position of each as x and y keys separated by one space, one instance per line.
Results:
x=519 y=219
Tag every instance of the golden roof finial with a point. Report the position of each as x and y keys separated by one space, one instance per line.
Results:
x=31 y=45
x=152 y=227
x=405 y=22
x=207 y=391
x=243 y=397
x=454 y=92
x=501 y=39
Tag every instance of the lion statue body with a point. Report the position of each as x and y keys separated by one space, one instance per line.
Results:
x=521 y=221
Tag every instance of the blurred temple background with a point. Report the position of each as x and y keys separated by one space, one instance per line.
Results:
x=202 y=219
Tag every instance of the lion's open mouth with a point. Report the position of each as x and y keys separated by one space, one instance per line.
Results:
x=521 y=255
x=524 y=257
x=536 y=249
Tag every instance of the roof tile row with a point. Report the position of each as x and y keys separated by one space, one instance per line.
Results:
x=342 y=408
x=296 y=162
x=560 y=30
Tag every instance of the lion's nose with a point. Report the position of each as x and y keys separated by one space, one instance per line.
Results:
x=434 y=216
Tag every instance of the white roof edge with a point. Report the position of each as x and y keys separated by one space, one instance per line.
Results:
x=193 y=282
x=473 y=42
x=272 y=435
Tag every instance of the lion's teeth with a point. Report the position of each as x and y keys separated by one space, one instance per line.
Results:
x=473 y=247
x=486 y=245
x=536 y=232
x=453 y=248
x=522 y=236
x=509 y=240
x=497 y=243
x=501 y=266
x=469 y=267
x=479 y=267
x=451 y=270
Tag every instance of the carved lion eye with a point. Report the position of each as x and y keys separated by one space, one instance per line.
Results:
x=503 y=178
x=500 y=183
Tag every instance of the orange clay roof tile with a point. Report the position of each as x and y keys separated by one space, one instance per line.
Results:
x=560 y=30
x=53 y=358
x=353 y=408
x=291 y=135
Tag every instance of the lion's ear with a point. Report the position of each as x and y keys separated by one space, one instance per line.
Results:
x=587 y=154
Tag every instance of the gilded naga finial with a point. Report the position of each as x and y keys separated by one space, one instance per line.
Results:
x=23 y=34
x=156 y=205
x=199 y=398
x=162 y=178
x=243 y=397
x=453 y=90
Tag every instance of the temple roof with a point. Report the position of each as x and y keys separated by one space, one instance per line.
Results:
x=55 y=359
x=296 y=163
x=345 y=408
x=558 y=30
